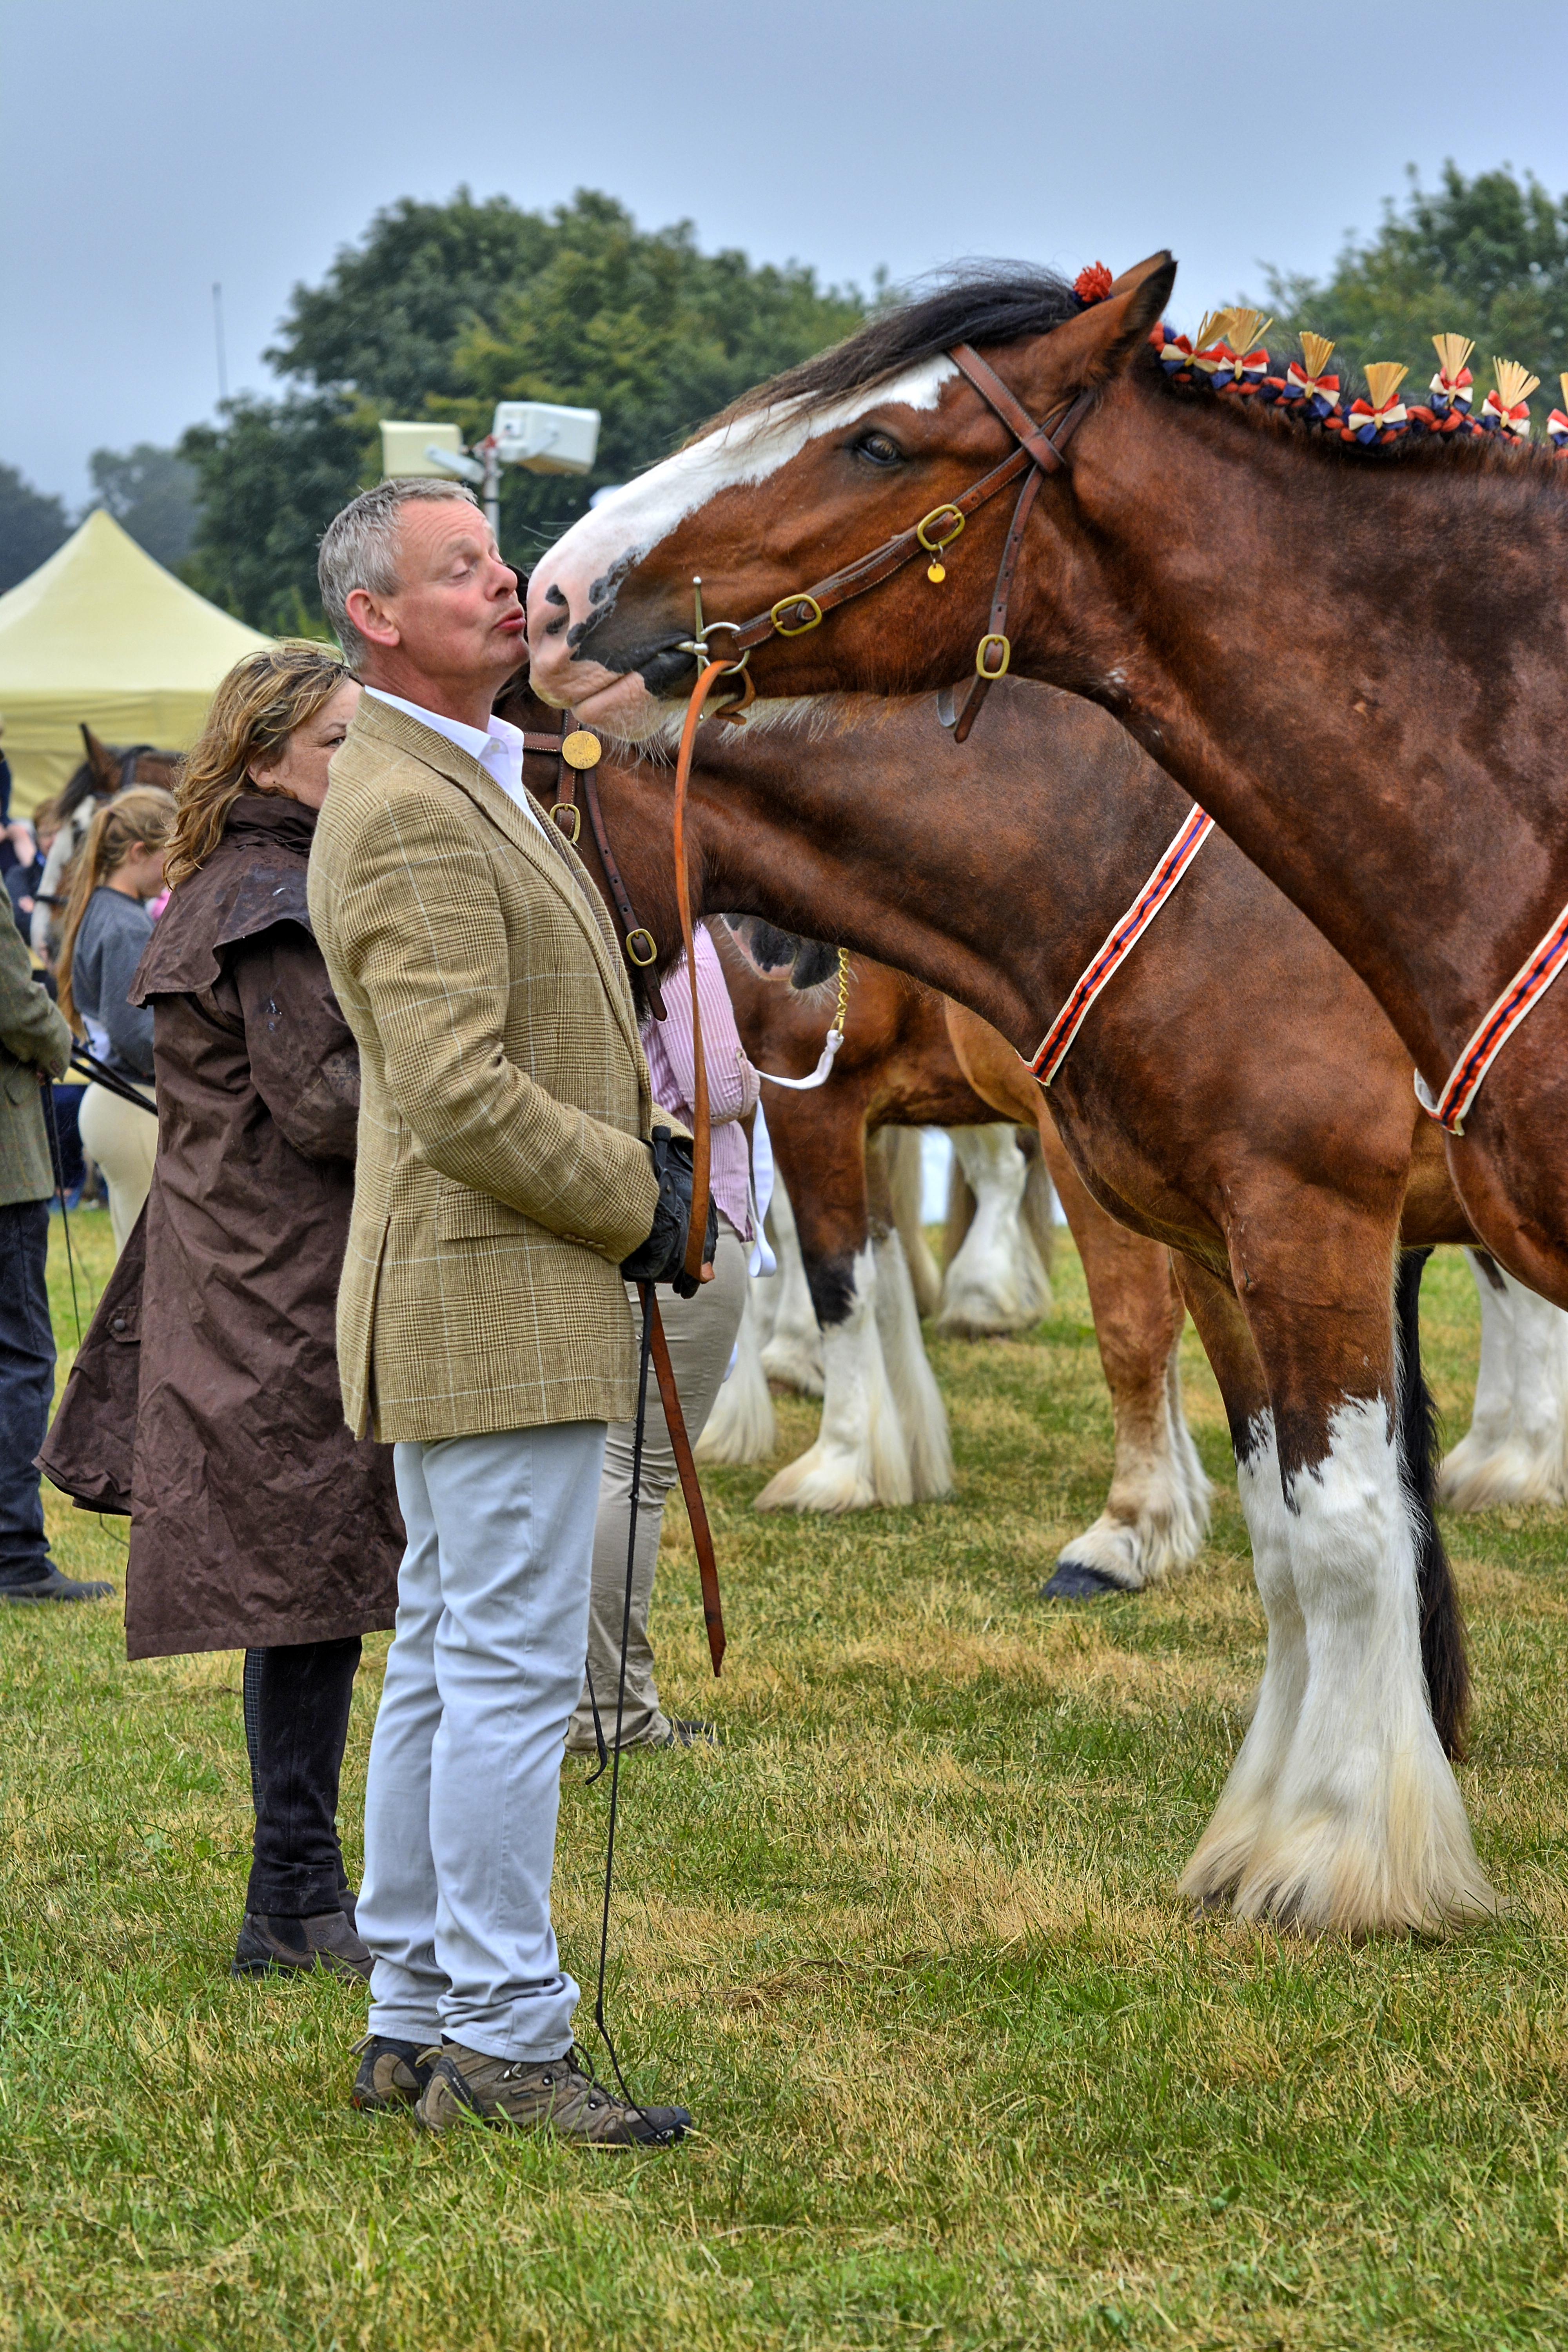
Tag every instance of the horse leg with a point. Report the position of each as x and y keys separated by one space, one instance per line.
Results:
x=906 y=1186
x=1515 y=1448
x=995 y=1283
x=1156 y=1515
x=741 y=1428
x=861 y=1456
x=1235 y=1827
x=1039 y=1210
x=792 y=1354
x=922 y=1412
x=1363 y=1829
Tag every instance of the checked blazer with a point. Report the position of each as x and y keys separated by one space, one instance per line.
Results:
x=503 y=1170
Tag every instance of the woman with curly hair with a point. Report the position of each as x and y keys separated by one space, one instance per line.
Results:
x=258 y=1521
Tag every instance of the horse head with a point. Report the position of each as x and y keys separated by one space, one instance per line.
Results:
x=815 y=471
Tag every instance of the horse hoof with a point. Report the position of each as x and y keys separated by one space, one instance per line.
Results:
x=1073 y=1581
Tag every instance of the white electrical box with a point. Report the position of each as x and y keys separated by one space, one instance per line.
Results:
x=546 y=439
x=405 y=448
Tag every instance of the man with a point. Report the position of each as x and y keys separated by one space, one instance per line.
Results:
x=34 y=1044
x=504 y=1173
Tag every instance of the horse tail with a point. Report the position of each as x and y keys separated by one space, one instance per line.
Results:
x=1420 y=1446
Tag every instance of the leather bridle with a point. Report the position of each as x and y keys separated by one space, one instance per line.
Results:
x=577 y=753
x=1038 y=453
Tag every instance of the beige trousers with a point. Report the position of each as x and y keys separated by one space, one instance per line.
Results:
x=125 y=1142
x=701 y=1335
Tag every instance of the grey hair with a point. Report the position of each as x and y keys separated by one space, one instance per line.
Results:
x=359 y=549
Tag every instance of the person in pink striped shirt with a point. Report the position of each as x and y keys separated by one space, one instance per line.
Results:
x=701 y=1335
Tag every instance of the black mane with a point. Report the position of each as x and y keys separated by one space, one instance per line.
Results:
x=1001 y=302
x=979 y=303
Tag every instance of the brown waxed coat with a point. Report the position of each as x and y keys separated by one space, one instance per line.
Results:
x=211 y=1383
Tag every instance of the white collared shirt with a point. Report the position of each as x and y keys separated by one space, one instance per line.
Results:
x=499 y=749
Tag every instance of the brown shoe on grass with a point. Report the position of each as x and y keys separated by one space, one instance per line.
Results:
x=391 y=2074
x=556 y=2094
x=278 y=1947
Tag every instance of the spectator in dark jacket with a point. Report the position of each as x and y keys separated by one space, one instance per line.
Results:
x=205 y=1398
x=34 y=1042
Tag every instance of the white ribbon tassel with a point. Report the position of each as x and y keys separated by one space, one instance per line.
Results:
x=822 y=1072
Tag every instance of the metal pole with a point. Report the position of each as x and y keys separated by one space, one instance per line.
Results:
x=217 y=332
x=493 y=486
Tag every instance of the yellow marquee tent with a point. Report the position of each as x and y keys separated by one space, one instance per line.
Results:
x=103 y=633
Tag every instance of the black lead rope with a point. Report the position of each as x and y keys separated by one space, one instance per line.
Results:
x=46 y=1085
x=662 y=2137
x=88 y=1065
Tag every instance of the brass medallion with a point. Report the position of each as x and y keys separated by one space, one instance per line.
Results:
x=581 y=750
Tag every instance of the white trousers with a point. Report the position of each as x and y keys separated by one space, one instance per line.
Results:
x=465 y=1765
x=125 y=1142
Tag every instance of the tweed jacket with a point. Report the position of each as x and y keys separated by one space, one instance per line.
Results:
x=504 y=1170
x=34 y=1036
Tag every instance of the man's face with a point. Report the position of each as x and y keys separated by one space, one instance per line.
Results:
x=455 y=615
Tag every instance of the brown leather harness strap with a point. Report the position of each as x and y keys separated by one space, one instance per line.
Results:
x=690 y=1489
x=626 y=923
x=621 y=911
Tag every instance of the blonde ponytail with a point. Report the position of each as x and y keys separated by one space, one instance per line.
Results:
x=143 y=814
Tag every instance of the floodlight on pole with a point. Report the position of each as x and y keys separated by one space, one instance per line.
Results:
x=537 y=434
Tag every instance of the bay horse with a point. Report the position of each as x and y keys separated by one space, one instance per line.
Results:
x=1236 y=1095
x=1354 y=658
x=899 y=1063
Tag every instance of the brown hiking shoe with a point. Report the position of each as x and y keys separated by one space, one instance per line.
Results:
x=391 y=2074
x=556 y=2094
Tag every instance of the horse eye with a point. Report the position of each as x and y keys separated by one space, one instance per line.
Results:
x=879 y=447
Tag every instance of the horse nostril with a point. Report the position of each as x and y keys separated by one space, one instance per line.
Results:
x=553 y=595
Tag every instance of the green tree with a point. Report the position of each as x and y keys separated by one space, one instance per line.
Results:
x=152 y=493
x=1486 y=257
x=270 y=479
x=645 y=328
x=391 y=311
x=32 y=525
x=441 y=311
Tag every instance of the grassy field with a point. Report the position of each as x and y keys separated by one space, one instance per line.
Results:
x=906 y=1942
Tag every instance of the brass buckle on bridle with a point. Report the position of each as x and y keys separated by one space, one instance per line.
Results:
x=559 y=809
x=642 y=961
x=982 y=667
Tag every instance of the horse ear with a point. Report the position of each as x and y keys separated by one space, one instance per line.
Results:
x=99 y=757
x=1107 y=337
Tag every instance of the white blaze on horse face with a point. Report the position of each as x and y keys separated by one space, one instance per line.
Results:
x=587 y=566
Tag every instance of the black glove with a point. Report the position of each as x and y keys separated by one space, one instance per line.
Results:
x=662 y=1257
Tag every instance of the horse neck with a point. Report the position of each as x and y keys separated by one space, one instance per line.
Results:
x=1357 y=669
x=991 y=871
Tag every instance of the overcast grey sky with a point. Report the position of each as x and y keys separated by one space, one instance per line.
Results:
x=146 y=151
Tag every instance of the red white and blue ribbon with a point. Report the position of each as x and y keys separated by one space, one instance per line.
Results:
x=1522 y=994
x=1119 y=946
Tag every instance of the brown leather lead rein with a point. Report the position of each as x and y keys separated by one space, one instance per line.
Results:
x=575 y=764
x=691 y=1492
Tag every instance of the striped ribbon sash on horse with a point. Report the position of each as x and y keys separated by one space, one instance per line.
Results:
x=1522 y=994
x=1119 y=946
